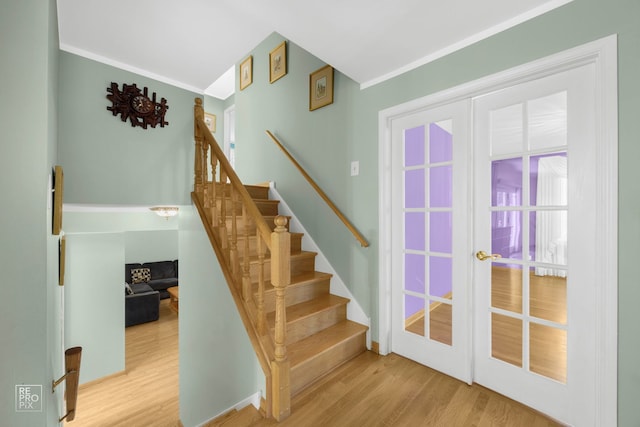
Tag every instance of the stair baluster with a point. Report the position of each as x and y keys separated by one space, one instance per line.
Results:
x=246 y=277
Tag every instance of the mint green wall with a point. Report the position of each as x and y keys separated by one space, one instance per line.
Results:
x=148 y=246
x=94 y=302
x=28 y=251
x=218 y=367
x=107 y=161
x=322 y=141
x=327 y=140
x=216 y=106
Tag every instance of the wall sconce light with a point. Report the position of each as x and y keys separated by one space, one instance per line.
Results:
x=165 y=211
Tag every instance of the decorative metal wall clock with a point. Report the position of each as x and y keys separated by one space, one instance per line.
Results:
x=135 y=105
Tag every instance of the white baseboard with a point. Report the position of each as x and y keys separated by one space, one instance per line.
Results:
x=254 y=400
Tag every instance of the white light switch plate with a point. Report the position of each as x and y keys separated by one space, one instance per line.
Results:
x=355 y=168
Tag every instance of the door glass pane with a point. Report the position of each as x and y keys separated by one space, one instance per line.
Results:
x=414 y=146
x=441 y=186
x=440 y=277
x=506 y=339
x=548 y=347
x=414 y=271
x=506 y=130
x=506 y=234
x=414 y=314
x=440 y=232
x=547 y=121
x=548 y=230
x=506 y=179
x=506 y=287
x=441 y=142
x=548 y=296
x=548 y=180
x=440 y=315
x=414 y=188
x=414 y=237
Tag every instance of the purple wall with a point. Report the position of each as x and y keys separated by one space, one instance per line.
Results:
x=506 y=190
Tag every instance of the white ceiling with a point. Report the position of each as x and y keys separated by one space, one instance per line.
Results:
x=193 y=43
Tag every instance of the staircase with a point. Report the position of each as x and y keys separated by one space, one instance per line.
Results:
x=299 y=330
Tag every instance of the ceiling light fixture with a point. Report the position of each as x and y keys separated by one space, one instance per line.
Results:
x=165 y=211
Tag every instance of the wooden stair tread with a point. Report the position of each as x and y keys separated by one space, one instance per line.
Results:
x=323 y=341
x=309 y=308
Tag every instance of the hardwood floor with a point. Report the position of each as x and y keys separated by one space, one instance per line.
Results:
x=374 y=390
x=146 y=395
x=369 y=390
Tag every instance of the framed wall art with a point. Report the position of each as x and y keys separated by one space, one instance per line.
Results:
x=278 y=62
x=210 y=121
x=321 y=88
x=246 y=72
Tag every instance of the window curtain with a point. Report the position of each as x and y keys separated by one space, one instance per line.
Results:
x=551 y=226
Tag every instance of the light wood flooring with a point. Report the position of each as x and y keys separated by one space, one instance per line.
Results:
x=146 y=395
x=370 y=390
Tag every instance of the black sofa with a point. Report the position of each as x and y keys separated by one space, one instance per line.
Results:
x=159 y=275
x=141 y=304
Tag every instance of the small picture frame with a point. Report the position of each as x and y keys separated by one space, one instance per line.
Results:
x=210 y=121
x=278 y=62
x=246 y=72
x=321 y=88
x=58 y=190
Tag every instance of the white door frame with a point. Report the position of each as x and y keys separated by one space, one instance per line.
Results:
x=603 y=55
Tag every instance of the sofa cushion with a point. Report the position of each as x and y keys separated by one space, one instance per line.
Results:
x=140 y=275
x=127 y=271
x=139 y=288
x=161 y=269
x=162 y=284
x=127 y=289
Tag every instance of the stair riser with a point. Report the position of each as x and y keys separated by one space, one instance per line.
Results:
x=299 y=265
x=312 y=369
x=316 y=322
x=256 y=192
x=296 y=294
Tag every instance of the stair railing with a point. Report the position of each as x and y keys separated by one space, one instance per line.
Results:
x=321 y=193
x=216 y=183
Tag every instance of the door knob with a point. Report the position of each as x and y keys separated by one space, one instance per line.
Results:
x=483 y=256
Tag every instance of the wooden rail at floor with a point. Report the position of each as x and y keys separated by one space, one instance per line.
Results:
x=320 y=192
x=227 y=210
x=72 y=375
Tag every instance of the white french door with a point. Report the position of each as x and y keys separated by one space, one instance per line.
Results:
x=534 y=217
x=430 y=207
x=497 y=207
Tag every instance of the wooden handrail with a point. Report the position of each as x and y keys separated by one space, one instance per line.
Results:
x=253 y=211
x=322 y=194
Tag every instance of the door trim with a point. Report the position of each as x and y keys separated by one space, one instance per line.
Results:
x=603 y=54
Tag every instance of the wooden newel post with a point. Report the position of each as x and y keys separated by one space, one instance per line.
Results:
x=198 y=114
x=280 y=278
